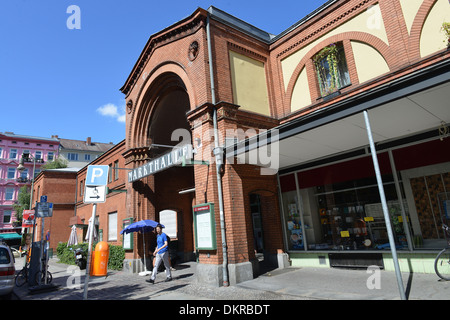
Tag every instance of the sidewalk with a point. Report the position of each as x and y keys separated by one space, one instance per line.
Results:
x=280 y=284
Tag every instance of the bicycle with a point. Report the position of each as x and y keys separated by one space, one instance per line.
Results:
x=22 y=276
x=442 y=262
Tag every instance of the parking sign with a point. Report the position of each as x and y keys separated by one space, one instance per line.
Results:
x=95 y=185
x=97 y=176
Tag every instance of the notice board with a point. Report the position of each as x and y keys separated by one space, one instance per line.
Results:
x=127 y=241
x=204 y=226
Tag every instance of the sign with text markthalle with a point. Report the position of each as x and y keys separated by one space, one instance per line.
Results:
x=95 y=185
x=170 y=159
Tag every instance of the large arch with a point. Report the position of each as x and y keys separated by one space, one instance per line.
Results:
x=159 y=80
x=161 y=106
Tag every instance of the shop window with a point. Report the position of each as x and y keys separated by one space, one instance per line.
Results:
x=331 y=69
x=345 y=215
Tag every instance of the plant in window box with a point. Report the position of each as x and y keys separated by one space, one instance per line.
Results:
x=331 y=68
x=446 y=29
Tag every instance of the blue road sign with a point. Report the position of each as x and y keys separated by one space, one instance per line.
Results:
x=43 y=198
x=97 y=176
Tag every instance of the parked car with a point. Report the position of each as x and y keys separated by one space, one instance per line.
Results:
x=7 y=271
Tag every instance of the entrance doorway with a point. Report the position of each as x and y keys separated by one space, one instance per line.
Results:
x=255 y=209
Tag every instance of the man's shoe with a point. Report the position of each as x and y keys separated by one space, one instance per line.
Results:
x=151 y=281
x=168 y=279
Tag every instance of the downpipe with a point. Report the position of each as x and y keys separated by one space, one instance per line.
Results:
x=218 y=153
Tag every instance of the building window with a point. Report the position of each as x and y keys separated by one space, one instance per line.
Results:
x=9 y=194
x=331 y=69
x=116 y=170
x=87 y=157
x=110 y=173
x=24 y=175
x=112 y=226
x=81 y=188
x=50 y=156
x=13 y=153
x=11 y=173
x=7 y=216
x=72 y=156
x=1 y=150
x=36 y=172
x=38 y=155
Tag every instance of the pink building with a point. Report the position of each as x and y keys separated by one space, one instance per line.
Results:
x=12 y=147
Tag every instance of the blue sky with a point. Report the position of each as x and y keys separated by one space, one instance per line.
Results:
x=60 y=81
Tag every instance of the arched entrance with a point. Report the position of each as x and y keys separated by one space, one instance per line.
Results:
x=158 y=125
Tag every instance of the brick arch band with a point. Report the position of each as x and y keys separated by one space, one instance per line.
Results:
x=371 y=40
x=164 y=77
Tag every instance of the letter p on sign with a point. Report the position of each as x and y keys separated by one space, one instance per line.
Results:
x=97 y=176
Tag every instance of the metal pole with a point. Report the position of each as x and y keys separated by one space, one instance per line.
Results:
x=88 y=266
x=385 y=208
x=218 y=152
x=41 y=258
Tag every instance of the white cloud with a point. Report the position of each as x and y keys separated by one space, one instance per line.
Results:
x=111 y=110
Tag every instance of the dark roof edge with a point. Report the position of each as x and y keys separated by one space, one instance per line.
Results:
x=304 y=19
x=268 y=38
x=241 y=25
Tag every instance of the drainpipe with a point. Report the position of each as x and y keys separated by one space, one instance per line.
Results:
x=218 y=153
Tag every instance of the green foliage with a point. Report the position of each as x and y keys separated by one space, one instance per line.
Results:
x=331 y=54
x=23 y=202
x=446 y=29
x=116 y=257
x=115 y=261
x=56 y=164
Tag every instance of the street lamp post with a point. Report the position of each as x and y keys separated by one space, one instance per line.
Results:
x=21 y=168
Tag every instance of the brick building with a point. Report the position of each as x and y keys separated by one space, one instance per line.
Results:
x=59 y=186
x=109 y=215
x=307 y=187
x=65 y=187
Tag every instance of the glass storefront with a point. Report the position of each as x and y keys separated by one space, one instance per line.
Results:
x=338 y=206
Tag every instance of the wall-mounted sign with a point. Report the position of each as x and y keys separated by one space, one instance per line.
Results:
x=204 y=227
x=173 y=158
x=28 y=220
x=127 y=237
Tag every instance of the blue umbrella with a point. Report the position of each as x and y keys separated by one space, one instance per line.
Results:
x=143 y=226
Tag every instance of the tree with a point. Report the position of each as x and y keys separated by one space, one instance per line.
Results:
x=22 y=203
x=55 y=164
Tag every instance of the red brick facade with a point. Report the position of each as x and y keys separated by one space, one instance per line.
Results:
x=170 y=88
x=165 y=65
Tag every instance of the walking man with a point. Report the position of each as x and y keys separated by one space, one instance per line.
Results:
x=162 y=254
